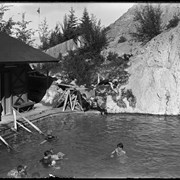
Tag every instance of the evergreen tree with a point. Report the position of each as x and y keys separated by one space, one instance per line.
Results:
x=69 y=27
x=64 y=28
x=149 y=23
x=5 y=26
x=86 y=28
x=94 y=37
x=82 y=63
x=24 y=34
x=44 y=35
x=56 y=37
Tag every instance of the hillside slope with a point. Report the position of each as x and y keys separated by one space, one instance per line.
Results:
x=126 y=25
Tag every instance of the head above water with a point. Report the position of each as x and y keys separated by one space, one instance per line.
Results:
x=120 y=145
x=47 y=153
x=21 y=168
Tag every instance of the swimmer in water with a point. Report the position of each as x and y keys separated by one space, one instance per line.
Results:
x=49 y=137
x=47 y=161
x=20 y=172
x=118 y=151
x=57 y=156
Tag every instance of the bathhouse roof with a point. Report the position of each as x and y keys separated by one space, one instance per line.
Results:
x=14 y=50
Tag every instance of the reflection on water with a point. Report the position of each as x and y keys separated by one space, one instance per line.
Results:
x=152 y=145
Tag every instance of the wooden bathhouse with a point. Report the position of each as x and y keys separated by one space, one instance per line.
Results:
x=15 y=57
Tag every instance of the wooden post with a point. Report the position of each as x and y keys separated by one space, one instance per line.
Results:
x=15 y=119
x=35 y=127
x=70 y=99
x=5 y=142
x=24 y=127
x=74 y=104
x=65 y=102
x=80 y=106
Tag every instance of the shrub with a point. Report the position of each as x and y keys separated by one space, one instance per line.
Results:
x=173 y=22
x=149 y=23
x=122 y=39
x=112 y=56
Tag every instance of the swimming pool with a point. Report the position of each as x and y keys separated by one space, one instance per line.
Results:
x=152 y=145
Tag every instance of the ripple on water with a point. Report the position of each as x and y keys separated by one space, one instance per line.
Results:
x=152 y=145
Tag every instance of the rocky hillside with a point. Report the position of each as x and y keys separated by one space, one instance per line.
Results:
x=154 y=82
x=154 y=77
x=125 y=25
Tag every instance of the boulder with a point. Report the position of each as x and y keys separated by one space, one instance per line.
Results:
x=52 y=95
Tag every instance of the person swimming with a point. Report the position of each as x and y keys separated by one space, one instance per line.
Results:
x=47 y=161
x=19 y=172
x=49 y=137
x=57 y=156
x=118 y=150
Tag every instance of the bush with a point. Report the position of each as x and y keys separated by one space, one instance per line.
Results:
x=77 y=67
x=173 y=22
x=149 y=23
x=112 y=56
x=122 y=39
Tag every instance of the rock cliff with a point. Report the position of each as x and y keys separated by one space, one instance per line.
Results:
x=154 y=77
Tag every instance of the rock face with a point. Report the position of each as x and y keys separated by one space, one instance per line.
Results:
x=63 y=48
x=154 y=77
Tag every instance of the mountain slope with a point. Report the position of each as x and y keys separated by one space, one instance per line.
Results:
x=126 y=25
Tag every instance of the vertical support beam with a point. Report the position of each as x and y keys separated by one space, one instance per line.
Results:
x=74 y=104
x=70 y=99
x=35 y=127
x=15 y=119
x=65 y=102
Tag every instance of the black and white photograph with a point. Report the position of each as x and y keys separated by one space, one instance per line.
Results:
x=89 y=89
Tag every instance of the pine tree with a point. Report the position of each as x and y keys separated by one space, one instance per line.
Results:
x=23 y=33
x=86 y=28
x=56 y=37
x=94 y=37
x=5 y=26
x=69 y=26
x=149 y=23
x=44 y=35
x=82 y=63
x=64 y=28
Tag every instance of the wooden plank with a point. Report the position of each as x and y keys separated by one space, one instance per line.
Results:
x=70 y=100
x=24 y=127
x=74 y=104
x=5 y=142
x=65 y=102
x=15 y=119
x=35 y=127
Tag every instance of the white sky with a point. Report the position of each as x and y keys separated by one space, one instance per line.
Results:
x=54 y=12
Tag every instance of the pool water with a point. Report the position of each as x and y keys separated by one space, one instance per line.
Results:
x=152 y=145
